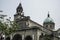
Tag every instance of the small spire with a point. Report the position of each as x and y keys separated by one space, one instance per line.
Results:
x=20 y=8
x=48 y=14
x=20 y=5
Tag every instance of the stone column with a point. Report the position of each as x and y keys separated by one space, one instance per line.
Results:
x=11 y=37
x=32 y=37
x=22 y=37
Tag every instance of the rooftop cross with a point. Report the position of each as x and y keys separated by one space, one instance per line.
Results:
x=48 y=14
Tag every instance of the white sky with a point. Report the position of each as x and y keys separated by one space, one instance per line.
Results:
x=36 y=9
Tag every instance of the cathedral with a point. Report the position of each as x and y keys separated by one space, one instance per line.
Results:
x=30 y=30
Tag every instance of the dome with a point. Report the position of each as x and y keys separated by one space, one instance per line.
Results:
x=48 y=20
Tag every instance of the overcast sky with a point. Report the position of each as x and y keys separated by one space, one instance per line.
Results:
x=36 y=9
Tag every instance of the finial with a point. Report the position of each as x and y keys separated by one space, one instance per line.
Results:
x=48 y=14
x=20 y=5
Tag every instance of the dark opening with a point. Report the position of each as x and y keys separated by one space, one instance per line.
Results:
x=17 y=37
x=28 y=38
x=8 y=38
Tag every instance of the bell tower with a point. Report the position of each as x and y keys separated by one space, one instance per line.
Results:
x=19 y=13
x=19 y=17
x=19 y=9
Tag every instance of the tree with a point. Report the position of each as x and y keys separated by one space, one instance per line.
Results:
x=13 y=27
x=8 y=28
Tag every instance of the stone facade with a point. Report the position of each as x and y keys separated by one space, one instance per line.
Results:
x=30 y=30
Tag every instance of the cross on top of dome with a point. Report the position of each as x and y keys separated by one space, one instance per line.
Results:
x=48 y=14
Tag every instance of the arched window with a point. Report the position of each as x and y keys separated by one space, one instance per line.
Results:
x=8 y=38
x=28 y=38
x=41 y=36
x=17 y=37
x=46 y=26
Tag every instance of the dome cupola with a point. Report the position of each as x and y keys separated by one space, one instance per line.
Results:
x=48 y=19
x=49 y=23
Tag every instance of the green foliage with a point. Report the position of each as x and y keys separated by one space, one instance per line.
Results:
x=8 y=26
x=13 y=26
x=8 y=29
x=2 y=26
